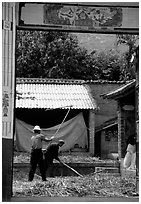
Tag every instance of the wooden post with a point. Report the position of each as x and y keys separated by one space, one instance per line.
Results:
x=137 y=120
x=8 y=95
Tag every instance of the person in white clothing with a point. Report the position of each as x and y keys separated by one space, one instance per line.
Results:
x=129 y=158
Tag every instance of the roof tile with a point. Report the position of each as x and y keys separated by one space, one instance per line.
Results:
x=40 y=94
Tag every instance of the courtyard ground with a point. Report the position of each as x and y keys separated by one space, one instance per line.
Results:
x=93 y=186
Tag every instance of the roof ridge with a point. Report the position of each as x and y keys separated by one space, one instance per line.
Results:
x=49 y=80
x=101 y=81
x=67 y=81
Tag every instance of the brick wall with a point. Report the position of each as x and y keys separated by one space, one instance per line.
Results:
x=121 y=132
x=91 y=132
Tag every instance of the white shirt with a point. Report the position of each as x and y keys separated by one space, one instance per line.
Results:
x=36 y=141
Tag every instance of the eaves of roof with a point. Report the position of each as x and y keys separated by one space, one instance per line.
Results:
x=120 y=92
x=110 y=123
x=53 y=93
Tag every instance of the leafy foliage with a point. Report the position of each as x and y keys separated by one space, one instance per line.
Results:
x=131 y=41
x=48 y=54
x=58 y=55
x=109 y=65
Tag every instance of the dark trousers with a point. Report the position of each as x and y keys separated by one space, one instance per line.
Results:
x=36 y=158
x=48 y=163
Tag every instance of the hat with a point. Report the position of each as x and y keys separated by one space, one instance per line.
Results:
x=37 y=127
x=61 y=141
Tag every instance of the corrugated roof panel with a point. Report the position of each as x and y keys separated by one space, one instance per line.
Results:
x=50 y=96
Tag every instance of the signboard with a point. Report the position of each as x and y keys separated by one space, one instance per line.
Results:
x=80 y=17
x=7 y=25
x=6 y=104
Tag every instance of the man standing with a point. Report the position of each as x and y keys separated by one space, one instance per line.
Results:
x=52 y=153
x=36 y=153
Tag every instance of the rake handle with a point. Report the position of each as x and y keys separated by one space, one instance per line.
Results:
x=71 y=169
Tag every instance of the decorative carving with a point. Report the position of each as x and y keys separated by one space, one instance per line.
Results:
x=83 y=16
x=80 y=17
x=5 y=104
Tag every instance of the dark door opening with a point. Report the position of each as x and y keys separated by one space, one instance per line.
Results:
x=98 y=144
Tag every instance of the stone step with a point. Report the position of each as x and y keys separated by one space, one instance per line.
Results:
x=58 y=169
x=106 y=170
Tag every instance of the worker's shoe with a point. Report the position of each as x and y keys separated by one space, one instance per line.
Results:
x=44 y=180
x=30 y=180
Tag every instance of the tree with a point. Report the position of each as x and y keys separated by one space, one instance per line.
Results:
x=131 y=42
x=49 y=54
x=58 y=55
x=109 y=65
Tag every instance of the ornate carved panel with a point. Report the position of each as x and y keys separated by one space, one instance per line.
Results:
x=79 y=17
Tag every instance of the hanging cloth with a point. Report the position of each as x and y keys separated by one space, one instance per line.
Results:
x=73 y=132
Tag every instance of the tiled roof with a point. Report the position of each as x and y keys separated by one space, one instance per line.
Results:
x=120 y=91
x=53 y=93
